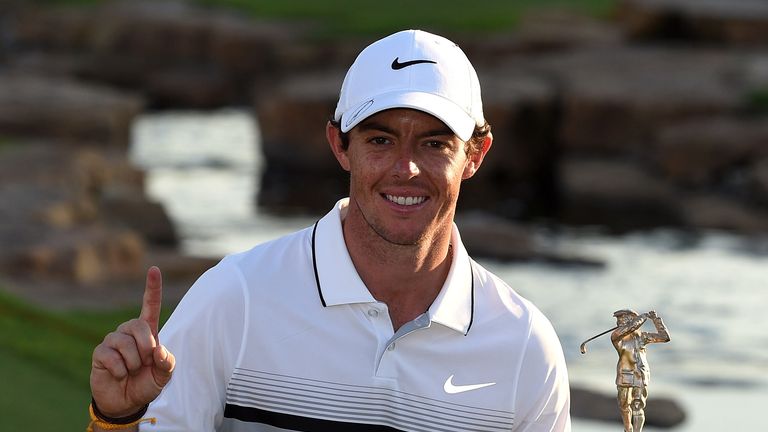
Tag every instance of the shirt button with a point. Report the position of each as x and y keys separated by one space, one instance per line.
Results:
x=373 y=313
x=391 y=347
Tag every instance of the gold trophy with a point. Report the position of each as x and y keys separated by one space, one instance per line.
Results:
x=632 y=370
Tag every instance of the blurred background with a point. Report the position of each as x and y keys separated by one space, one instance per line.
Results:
x=629 y=169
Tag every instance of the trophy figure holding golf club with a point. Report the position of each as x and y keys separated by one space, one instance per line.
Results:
x=632 y=370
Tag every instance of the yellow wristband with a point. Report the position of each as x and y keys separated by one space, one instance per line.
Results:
x=95 y=421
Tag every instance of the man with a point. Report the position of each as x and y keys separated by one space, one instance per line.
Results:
x=373 y=319
x=632 y=370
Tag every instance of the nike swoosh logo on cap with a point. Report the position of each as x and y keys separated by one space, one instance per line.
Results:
x=396 y=65
x=451 y=388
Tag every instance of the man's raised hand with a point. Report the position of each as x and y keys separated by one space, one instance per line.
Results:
x=130 y=367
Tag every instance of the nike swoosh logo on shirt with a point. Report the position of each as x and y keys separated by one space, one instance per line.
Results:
x=396 y=65
x=451 y=388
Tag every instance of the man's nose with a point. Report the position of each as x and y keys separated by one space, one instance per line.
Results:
x=406 y=166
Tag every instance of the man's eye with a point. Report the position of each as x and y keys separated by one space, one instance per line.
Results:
x=379 y=140
x=436 y=144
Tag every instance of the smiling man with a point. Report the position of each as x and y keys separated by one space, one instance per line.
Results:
x=373 y=319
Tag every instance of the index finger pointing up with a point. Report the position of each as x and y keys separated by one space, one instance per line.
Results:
x=153 y=298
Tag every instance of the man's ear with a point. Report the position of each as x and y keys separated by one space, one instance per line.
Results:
x=476 y=159
x=333 y=135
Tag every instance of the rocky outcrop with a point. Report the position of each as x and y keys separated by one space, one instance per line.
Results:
x=72 y=207
x=703 y=151
x=66 y=110
x=743 y=22
x=54 y=226
x=660 y=411
x=616 y=194
x=488 y=236
x=301 y=173
x=183 y=56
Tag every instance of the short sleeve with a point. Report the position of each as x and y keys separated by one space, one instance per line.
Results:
x=543 y=395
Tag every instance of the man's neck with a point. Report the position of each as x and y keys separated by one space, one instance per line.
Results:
x=406 y=278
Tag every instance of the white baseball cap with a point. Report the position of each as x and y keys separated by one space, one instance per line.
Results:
x=412 y=69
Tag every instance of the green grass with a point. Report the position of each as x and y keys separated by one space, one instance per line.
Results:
x=45 y=360
x=340 y=17
x=757 y=100
x=344 y=17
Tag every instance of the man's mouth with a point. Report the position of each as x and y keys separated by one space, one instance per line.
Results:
x=406 y=201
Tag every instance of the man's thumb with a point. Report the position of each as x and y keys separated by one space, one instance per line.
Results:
x=164 y=364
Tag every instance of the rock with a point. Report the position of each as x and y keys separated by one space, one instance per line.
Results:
x=701 y=151
x=65 y=214
x=488 y=236
x=758 y=177
x=184 y=56
x=66 y=110
x=517 y=177
x=558 y=30
x=540 y=31
x=734 y=22
x=718 y=212
x=491 y=237
x=179 y=267
x=660 y=411
x=83 y=256
x=614 y=100
x=292 y=118
x=197 y=88
x=140 y=215
x=616 y=194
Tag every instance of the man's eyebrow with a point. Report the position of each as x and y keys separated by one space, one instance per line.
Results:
x=438 y=132
x=374 y=126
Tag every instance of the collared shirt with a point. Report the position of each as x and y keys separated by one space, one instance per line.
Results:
x=286 y=337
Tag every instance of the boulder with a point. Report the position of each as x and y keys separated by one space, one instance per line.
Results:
x=66 y=214
x=185 y=55
x=517 y=177
x=539 y=31
x=148 y=218
x=83 y=256
x=488 y=236
x=742 y=22
x=66 y=110
x=702 y=151
x=613 y=101
x=709 y=211
x=661 y=412
x=758 y=179
x=292 y=118
x=617 y=194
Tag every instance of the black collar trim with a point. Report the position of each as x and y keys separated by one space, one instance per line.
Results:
x=314 y=265
x=472 y=287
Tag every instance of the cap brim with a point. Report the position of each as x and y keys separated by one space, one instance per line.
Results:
x=446 y=111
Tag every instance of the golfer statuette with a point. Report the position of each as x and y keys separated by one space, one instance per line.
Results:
x=632 y=370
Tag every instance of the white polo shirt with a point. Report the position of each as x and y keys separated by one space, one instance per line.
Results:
x=286 y=337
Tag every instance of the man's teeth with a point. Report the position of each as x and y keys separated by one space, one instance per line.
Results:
x=406 y=200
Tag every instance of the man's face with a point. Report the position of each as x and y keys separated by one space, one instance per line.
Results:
x=406 y=168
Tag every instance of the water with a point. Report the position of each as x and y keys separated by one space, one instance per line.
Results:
x=710 y=290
